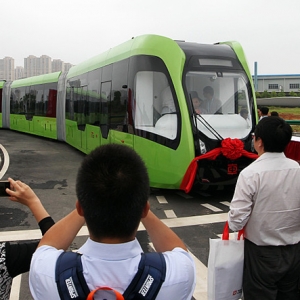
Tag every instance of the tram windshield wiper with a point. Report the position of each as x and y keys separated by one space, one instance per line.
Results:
x=207 y=126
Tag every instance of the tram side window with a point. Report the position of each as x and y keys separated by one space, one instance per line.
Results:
x=31 y=102
x=72 y=97
x=93 y=97
x=17 y=100
x=155 y=109
x=39 y=104
x=13 y=101
x=76 y=100
x=69 y=101
x=118 y=101
x=80 y=105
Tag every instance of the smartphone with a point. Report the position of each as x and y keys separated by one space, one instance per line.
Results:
x=3 y=185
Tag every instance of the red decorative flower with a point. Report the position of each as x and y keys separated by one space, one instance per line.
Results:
x=232 y=148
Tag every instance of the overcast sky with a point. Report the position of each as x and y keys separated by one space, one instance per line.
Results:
x=75 y=30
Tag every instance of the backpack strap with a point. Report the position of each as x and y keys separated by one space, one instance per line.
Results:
x=145 y=285
x=69 y=278
x=148 y=279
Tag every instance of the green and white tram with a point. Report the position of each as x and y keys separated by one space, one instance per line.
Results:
x=140 y=94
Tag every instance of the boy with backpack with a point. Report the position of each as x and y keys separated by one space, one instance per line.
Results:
x=112 y=189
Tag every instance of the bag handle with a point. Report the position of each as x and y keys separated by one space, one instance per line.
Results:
x=92 y=293
x=225 y=235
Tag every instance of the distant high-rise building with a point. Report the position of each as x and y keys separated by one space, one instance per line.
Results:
x=33 y=66
x=44 y=65
x=30 y=66
x=7 y=66
x=57 y=65
x=19 y=72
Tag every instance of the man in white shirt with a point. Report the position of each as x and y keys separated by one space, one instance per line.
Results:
x=266 y=202
x=112 y=189
x=211 y=104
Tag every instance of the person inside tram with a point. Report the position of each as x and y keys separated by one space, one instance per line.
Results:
x=15 y=258
x=197 y=103
x=244 y=113
x=211 y=104
x=168 y=105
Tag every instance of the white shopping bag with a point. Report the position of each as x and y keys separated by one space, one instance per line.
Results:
x=225 y=267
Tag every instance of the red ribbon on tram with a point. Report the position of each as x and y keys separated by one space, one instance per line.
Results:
x=230 y=148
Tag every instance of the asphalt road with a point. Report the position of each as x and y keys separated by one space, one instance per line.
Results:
x=49 y=167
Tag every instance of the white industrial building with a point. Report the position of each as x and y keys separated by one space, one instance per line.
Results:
x=277 y=83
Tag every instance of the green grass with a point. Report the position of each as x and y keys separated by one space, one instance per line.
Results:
x=286 y=110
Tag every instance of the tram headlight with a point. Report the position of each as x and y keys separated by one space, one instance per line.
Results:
x=202 y=147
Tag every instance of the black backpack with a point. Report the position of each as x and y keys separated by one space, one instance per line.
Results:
x=145 y=285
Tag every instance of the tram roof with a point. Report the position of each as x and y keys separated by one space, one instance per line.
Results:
x=148 y=44
x=191 y=49
x=35 y=80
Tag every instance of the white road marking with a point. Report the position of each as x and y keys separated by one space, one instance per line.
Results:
x=176 y=222
x=211 y=207
x=200 y=292
x=6 y=162
x=20 y=235
x=15 y=288
x=170 y=213
x=225 y=203
x=161 y=199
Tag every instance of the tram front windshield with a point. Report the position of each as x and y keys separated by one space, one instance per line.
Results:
x=220 y=99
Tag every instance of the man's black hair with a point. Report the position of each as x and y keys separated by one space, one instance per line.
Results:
x=274 y=114
x=264 y=110
x=209 y=90
x=275 y=133
x=113 y=188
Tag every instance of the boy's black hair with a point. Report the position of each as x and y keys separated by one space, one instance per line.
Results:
x=113 y=188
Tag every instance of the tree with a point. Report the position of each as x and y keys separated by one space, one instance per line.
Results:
x=266 y=94
x=293 y=94
x=273 y=94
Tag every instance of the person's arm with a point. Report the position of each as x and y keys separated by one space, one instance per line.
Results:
x=22 y=193
x=162 y=237
x=241 y=204
x=18 y=255
x=61 y=235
